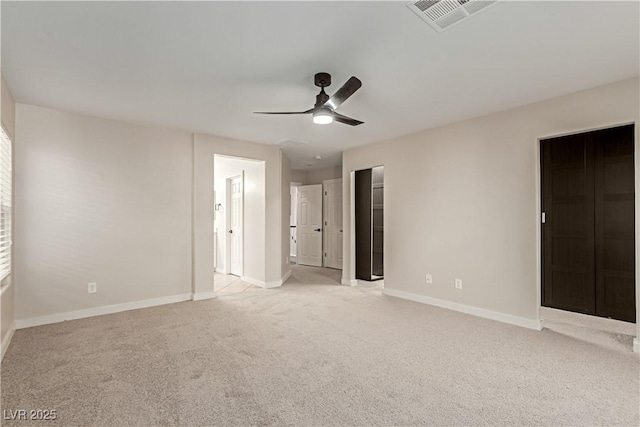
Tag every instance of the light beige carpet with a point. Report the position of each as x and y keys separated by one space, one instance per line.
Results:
x=314 y=354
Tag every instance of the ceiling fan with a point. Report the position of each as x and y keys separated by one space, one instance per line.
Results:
x=324 y=111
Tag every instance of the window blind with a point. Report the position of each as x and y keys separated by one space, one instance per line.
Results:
x=5 y=204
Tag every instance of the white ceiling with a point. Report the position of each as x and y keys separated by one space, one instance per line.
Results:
x=205 y=66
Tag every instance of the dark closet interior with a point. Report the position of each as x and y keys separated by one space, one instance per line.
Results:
x=588 y=232
x=369 y=219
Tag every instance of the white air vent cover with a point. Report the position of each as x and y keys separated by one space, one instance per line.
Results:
x=442 y=14
x=291 y=144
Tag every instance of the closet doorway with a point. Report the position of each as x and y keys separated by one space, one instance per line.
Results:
x=588 y=231
x=369 y=223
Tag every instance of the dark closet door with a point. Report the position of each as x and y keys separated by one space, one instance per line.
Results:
x=589 y=233
x=568 y=231
x=363 y=221
x=615 y=229
x=377 y=182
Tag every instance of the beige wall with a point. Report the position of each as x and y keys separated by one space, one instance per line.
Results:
x=462 y=201
x=98 y=201
x=7 y=116
x=315 y=176
x=205 y=147
x=126 y=206
x=298 y=176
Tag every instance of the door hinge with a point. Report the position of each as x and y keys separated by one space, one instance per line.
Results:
x=325 y=193
x=544 y=217
x=325 y=254
x=325 y=223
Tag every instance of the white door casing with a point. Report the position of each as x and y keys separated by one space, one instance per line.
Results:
x=235 y=232
x=332 y=207
x=309 y=228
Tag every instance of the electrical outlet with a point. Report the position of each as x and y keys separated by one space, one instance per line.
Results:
x=428 y=279
x=458 y=283
x=92 y=288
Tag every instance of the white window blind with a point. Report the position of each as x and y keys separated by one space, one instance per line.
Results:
x=5 y=204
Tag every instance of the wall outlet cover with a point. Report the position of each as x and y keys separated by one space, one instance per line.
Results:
x=92 y=288
x=458 y=283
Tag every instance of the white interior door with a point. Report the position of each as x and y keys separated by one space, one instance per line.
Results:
x=333 y=223
x=309 y=228
x=293 y=220
x=234 y=225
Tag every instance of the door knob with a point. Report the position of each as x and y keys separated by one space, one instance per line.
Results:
x=317 y=229
x=231 y=231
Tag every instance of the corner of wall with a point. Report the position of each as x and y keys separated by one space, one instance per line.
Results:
x=7 y=339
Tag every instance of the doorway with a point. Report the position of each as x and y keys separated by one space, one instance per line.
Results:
x=369 y=223
x=239 y=224
x=588 y=231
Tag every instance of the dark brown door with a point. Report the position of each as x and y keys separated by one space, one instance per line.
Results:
x=568 y=231
x=363 y=221
x=588 y=232
x=615 y=244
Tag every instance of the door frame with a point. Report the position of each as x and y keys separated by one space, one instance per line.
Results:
x=227 y=258
x=538 y=218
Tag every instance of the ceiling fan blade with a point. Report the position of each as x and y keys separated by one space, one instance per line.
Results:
x=284 y=112
x=346 y=120
x=347 y=89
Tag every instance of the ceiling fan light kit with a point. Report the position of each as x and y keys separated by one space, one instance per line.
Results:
x=323 y=111
x=323 y=116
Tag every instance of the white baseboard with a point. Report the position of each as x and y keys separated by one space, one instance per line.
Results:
x=199 y=296
x=99 y=311
x=7 y=339
x=267 y=285
x=475 y=311
x=348 y=282
x=274 y=284
x=636 y=345
x=279 y=283
x=253 y=281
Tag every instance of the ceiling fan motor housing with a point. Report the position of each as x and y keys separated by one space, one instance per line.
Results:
x=322 y=79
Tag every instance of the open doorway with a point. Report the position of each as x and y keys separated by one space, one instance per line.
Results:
x=316 y=225
x=369 y=224
x=239 y=226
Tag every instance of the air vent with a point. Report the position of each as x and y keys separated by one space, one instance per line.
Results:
x=443 y=14
x=290 y=144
